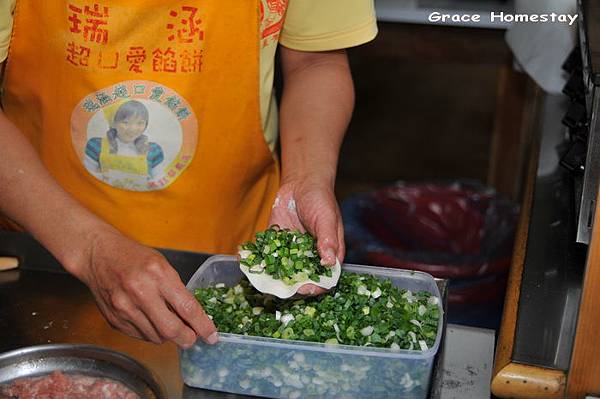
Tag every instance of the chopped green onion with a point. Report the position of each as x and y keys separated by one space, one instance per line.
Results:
x=367 y=331
x=285 y=255
x=346 y=317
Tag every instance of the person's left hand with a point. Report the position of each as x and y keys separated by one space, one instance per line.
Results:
x=311 y=206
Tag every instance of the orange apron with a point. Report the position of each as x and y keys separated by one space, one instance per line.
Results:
x=147 y=112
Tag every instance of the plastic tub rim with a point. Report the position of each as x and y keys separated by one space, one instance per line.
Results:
x=339 y=348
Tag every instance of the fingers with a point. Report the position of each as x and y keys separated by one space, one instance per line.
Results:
x=341 y=252
x=158 y=304
x=118 y=323
x=127 y=328
x=130 y=316
x=311 y=290
x=148 y=293
x=169 y=326
x=141 y=295
x=190 y=311
x=140 y=320
x=327 y=237
x=317 y=211
x=143 y=305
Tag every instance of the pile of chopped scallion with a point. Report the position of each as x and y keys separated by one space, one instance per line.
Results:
x=363 y=311
x=286 y=255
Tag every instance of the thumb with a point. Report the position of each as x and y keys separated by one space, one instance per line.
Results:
x=327 y=239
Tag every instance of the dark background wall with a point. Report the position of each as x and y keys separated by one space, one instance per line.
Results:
x=425 y=106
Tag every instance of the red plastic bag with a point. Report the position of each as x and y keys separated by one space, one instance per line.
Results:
x=452 y=230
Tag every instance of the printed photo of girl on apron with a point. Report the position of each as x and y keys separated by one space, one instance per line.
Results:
x=125 y=156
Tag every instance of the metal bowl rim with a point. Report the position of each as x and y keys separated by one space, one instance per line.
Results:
x=87 y=348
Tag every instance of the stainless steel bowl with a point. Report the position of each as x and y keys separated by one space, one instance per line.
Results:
x=90 y=360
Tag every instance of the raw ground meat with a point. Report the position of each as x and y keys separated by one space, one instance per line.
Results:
x=66 y=386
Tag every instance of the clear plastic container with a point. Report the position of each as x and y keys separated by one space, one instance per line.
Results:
x=296 y=369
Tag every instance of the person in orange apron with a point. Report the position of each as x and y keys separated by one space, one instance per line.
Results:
x=133 y=124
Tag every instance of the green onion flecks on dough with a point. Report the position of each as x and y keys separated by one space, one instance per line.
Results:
x=286 y=255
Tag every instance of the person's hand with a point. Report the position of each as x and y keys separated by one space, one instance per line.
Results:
x=141 y=295
x=311 y=206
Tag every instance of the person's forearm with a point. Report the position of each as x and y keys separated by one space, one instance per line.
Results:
x=316 y=107
x=31 y=197
x=135 y=287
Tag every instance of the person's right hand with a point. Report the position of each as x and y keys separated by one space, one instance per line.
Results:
x=140 y=294
x=135 y=287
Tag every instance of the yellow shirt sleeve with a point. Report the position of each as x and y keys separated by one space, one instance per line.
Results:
x=321 y=25
x=6 y=19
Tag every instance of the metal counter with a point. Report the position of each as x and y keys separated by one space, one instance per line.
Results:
x=553 y=269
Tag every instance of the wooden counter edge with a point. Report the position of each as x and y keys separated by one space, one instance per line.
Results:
x=506 y=336
x=529 y=382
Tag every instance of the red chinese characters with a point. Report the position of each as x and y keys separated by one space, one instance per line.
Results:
x=90 y=21
x=168 y=60
x=78 y=55
x=183 y=161
x=136 y=55
x=191 y=61
x=185 y=25
x=108 y=60
x=164 y=61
